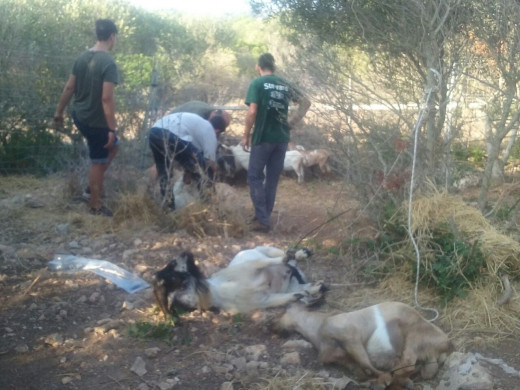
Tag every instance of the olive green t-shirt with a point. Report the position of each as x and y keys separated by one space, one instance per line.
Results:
x=272 y=94
x=198 y=107
x=92 y=69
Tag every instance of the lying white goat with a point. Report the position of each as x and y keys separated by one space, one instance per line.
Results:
x=390 y=341
x=185 y=194
x=241 y=287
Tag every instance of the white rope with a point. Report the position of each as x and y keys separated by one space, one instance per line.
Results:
x=410 y=199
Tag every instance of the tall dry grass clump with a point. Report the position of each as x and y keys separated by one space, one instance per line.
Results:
x=502 y=252
x=481 y=258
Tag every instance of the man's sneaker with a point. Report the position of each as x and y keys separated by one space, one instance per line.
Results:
x=257 y=226
x=104 y=211
x=86 y=194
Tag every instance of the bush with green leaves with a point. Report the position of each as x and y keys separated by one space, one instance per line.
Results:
x=473 y=153
x=453 y=264
x=35 y=152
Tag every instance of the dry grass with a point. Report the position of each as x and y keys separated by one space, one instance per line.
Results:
x=503 y=252
x=303 y=381
x=478 y=313
x=137 y=210
x=210 y=219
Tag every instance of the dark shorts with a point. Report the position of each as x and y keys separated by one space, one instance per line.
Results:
x=97 y=138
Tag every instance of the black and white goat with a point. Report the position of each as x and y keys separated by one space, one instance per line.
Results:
x=225 y=162
x=257 y=278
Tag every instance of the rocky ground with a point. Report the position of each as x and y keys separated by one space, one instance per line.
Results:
x=77 y=331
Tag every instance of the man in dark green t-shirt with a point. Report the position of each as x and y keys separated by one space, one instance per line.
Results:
x=91 y=83
x=268 y=99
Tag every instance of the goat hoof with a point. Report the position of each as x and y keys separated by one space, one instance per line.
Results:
x=298 y=297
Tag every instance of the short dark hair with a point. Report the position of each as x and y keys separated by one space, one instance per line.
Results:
x=218 y=122
x=105 y=28
x=266 y=61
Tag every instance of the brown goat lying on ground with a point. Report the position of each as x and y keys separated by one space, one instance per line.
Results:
x=390 y=341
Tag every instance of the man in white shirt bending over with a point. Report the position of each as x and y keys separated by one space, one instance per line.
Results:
x=191 y=141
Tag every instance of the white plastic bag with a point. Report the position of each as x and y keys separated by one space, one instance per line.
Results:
x=117 y=275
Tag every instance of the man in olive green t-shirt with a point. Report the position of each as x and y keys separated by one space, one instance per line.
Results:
x=268 y=99
x=202 y=109
x=91 y=83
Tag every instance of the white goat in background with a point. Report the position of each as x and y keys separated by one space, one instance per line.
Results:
x=293 y=161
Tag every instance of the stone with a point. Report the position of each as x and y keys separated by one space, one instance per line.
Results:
x=22 y=348
x=463 y=371
x=63 y=228
x=152 y=352
x=292 y=358
x=239 y=363
x=296 y=344
x=254 y=352
x=54 y=340
x=139 y=367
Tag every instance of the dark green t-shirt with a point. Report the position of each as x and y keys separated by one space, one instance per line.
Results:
x=272 y=94
x=92 y=69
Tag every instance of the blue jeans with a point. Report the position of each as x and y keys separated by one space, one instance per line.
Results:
x=262 y=186
x=167 y=147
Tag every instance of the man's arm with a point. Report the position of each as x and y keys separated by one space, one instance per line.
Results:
x=65 y=97
x=250 y=121
x=109 y=108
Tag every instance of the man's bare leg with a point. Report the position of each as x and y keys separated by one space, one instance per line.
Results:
x=95 y=182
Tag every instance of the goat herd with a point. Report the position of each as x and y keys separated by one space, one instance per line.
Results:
x=389 y=343
x=232 y=159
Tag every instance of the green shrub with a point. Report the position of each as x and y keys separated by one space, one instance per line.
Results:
x=475 y=154
x=456 y=265
x=33 y=152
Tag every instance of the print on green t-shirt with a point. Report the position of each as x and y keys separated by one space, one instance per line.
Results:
x=272 y=94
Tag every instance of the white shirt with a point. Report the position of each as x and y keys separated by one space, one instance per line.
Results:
x=192 y=128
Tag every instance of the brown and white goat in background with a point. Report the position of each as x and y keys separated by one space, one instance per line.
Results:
x=318 y=157
x=390 y=341
x=312 y=158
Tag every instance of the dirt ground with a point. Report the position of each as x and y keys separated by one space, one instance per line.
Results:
x=77 y=331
